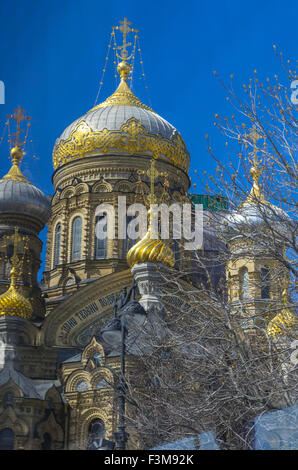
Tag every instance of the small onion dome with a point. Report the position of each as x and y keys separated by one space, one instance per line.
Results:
x=253 y=215
x=256 y=210
x=19 y=196
x=150 y=250
x=12 y=303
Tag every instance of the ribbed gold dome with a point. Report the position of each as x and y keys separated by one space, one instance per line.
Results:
x=12 y=303
x=150 y=250
x=281 y=322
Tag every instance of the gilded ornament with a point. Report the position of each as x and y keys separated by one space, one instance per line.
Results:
x=286 y=319
x=132 y=138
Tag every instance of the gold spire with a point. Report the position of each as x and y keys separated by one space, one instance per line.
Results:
x=123 y=95
x=16 y=151
x=12 y=303
x=255 y=172
x=148 y=249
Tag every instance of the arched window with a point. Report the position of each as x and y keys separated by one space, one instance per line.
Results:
x=6 y=439
x=265 y=283
x=101 y=243
x=57 y=243
x=96 y=433
x=76 y=239
x=244 y=283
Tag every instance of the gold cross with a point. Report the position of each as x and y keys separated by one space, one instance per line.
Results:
x=254 y=135
x=18 y=116
x=125 y=29
x=153 y=174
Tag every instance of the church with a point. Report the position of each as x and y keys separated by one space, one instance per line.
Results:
x=58 y=374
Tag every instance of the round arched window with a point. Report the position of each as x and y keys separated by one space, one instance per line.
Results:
x=76 y=239
x=57 y=244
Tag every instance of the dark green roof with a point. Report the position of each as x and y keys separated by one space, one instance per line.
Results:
x=210 y=203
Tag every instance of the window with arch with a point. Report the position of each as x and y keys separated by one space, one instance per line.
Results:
x=57 y=244
x=101 y=244
x=244 y=284
x=265 y=283
x=7 y=439
x=76 y=239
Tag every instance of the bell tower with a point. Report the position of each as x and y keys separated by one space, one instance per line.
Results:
x=254 y=277
x=24 y=206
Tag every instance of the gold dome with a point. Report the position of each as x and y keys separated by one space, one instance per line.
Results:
x=286 y=319
x=280 y=323
x=150 y=250
x=12 y=303
x=122 y=124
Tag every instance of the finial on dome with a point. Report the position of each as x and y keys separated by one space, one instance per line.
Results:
x=255 y=171
x=17 y=146
x=12 y=303
x=123 y=95
x=123 y=66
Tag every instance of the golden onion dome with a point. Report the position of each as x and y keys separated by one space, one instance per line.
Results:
x=281 y=323
x=285 y=320
x=121 y=125
x=150 y=250
x=12 y=303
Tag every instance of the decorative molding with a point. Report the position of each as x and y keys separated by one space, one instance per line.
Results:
x=132 y=139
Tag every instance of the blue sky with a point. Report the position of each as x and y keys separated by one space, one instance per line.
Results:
x=52 y=54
